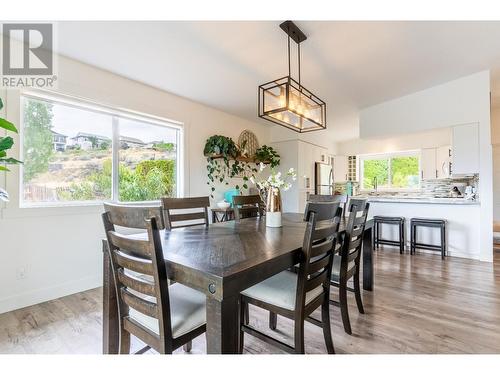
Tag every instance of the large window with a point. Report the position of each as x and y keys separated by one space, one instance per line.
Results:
x=398 y=171
x=75 y=152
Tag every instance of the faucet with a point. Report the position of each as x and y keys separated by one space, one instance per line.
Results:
x=375 y=185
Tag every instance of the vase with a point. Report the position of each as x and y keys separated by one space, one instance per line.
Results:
x=273 y=208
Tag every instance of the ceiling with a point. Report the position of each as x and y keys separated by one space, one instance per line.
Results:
x=350 y=65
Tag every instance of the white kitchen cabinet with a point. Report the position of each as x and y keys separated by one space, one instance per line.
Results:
x=443 y=161
x=465 y=150
x=435 y=163
x=340 y=168
x=428 y=164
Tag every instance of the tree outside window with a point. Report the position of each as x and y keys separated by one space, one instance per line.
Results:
x=391 y=172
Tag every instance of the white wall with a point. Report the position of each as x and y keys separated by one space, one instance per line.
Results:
x=495 y=141
x=403 y=142
x=60 y=248
x=462 y=101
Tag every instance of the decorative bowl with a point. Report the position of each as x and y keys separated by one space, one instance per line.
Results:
x=223 y=204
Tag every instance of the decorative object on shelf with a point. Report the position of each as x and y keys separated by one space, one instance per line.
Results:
x=223 y=163
x=225 y=160
x=270 y=191
x=6 y=143
x=267 y=154
x=285 y=101
x=248 y=143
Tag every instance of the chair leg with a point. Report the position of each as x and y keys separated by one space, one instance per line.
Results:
x=124 y=342
x=443 y=243
x=401 y=238
x=327 y=331
x=273 y=320
x=357 y=292
x=243 y=315
x=247 y=314
x=188 y=346
x=299 y=337
x=344 y=308
x=412 y=239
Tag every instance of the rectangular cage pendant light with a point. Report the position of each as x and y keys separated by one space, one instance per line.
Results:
x=286 y=102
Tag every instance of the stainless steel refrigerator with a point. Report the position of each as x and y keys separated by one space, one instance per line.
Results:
x=323 y=179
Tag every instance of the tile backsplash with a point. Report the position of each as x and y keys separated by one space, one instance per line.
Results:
x=429 y=188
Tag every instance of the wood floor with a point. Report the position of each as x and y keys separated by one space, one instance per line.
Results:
x=420 y=305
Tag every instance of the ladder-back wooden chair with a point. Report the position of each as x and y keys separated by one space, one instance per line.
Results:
x=246 y=206
x=346 y=265
x=297 y=295
x=175 y=211
x=340 y=198
x=162 y=316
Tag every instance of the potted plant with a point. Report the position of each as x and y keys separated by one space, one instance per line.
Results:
x=270 y=189
x=6 y=143
x=267 y=154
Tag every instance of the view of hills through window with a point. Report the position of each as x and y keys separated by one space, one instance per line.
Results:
x=68 y=155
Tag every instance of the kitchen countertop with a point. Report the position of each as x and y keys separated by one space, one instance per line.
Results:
x=418 y=200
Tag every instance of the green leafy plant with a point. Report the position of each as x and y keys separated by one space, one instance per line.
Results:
x=6 y=143
x=222 y=162
x=267 y=154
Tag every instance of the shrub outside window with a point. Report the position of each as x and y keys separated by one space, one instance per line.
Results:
x=80 y=153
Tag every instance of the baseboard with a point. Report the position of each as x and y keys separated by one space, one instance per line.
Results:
x=46 y=294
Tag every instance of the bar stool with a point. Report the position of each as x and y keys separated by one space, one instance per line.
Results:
x=432 y=223
x=391 y=220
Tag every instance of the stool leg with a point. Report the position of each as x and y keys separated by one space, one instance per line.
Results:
x=401 y=238
x=412 y=239
x=443 y=242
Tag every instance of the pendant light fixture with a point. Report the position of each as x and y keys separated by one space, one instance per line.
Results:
x=285 y=101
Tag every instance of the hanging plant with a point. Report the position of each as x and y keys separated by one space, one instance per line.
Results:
x=267 y=154
x=222 y=163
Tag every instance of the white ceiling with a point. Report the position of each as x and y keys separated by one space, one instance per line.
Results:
x=350 y=65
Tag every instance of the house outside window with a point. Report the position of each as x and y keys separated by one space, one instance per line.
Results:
x=391 y=171
x=76 y=152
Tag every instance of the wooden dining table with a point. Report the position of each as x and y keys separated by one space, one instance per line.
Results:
x=221 y=261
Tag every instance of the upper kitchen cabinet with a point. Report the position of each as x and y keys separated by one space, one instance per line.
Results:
x=465 y=150
x=435 y=163
x=340 y=168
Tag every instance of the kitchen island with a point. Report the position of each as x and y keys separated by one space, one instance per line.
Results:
x=462 y=216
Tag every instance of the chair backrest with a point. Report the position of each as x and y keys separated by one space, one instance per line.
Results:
x=134 y=215
x=176 y=215
x=353 y=237
x=247 y=206
x=340 y=198
x=320 y=242
x=139 y=273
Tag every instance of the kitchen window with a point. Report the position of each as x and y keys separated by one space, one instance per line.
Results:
x=76 y=153
x=394 y=171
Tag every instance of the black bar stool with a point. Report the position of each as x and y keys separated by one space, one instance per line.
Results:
x=394 y=220
x=425 y=222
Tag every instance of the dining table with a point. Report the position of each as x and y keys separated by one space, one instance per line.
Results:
x=222 y=260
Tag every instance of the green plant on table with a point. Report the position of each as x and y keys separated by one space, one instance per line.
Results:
x=6 y=143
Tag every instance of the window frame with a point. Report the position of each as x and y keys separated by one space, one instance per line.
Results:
x=115 y=114
x=389 y=156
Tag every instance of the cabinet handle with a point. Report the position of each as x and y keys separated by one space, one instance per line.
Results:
x=422 y=174
x=436 y=173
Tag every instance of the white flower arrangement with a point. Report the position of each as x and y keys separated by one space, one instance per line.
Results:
x=275 y=180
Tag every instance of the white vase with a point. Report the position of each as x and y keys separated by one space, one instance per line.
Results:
x=273 y=219
x=273 y=208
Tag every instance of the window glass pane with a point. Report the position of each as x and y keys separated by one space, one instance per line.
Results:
x=148 y=157
x=405 y=172
x=375 y=170
x=66 y=153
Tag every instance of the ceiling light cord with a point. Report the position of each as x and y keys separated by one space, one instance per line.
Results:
x=289 y=70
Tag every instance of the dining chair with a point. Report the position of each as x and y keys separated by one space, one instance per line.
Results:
x=297 y=295
x=347 y=264
x=162 y=316
x=175 y=211
x=246 y=206
x=341 y=198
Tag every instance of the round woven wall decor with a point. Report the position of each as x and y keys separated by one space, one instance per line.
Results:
x=251 y=145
